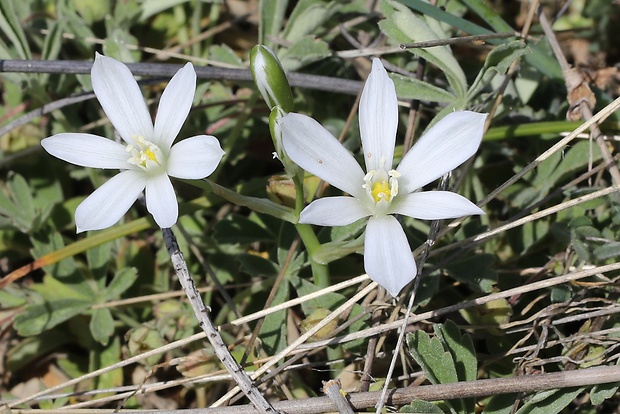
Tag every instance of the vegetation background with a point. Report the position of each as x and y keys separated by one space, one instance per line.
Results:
x=529 y=289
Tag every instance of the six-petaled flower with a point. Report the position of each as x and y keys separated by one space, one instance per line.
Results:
x=147 y=158
x=382 y=191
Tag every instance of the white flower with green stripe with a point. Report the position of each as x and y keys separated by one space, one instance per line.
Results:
x=382 y=191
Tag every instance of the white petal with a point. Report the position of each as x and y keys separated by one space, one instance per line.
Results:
x=448 y=144
x=314 y=149
x=121 y=99
x=387 y=255
x=378 y=117
x=161 y=201
x=108 y=203
x=435 y=205
x=194 y=158
x=174 y=106
x=333 y=211
x=87 y=150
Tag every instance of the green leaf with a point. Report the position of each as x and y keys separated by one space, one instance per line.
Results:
x=123 y=280
x=462 y=349
x=561 y=294
x=69 y=288
x=23 y=202
x=602 y=392
x=437 y=13
x=76 y=25
x=274 y=329
x=429 y=353
x=117 y=41
x=421 y=407
x=463 y=354
x=403 y=26
x=92 y=10
x=102 y=325
x=305 y=51
x=497 y=62
x=11 y=297
x=153 y=7
x=11 y=27
x=236 y=229
x=7 y=208
x=500 y=404
x=39 y=318
x=255 y=265
x=349 y=231
x=331 y=251
x=607 y=250
x=540 y=57
x=110 y=355
x=543 y=60
x=225 y=54
x=561 y=165
x=98 y=258
x=412 y=88
x=482 y=9
x=35 y=348
x=271 y=18
x=581 y=249
x=52 y=45
x=306 y=18
x=45 y=242
x=550 y=402
x=476 y=271
x=259 y=205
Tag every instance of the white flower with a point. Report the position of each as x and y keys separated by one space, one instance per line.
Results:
x=148 y=157
x=383 y=191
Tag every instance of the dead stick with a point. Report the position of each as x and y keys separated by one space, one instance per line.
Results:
x=458 y=40
x=202 y=314
x=580 y=97
x=166 y=70
x=439 y=392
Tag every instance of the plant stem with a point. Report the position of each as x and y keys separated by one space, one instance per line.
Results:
x=308 y=237
x=202 y=314
x=319 y=271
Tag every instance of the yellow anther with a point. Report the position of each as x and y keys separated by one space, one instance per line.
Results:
x=145 y=155
x=381 y=191
x=150 y=154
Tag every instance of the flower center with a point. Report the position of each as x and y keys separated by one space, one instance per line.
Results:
x=146 y=155
x=381 y=188
x=381 y=191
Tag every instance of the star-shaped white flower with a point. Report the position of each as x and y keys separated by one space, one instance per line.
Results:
x=383 y=191
x=148 y=158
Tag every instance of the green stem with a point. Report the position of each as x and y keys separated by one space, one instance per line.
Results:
x=319 y=271
x=308 y=237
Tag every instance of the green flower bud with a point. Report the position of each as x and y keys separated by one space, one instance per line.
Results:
x=270 y=78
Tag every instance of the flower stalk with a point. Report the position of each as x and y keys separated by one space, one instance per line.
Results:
x=273 y=85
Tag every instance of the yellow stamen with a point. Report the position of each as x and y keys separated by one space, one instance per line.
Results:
x=146 y=155
x=381 y=191
x=150 y=154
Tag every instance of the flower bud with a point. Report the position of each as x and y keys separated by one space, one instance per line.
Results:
x=270 y=78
